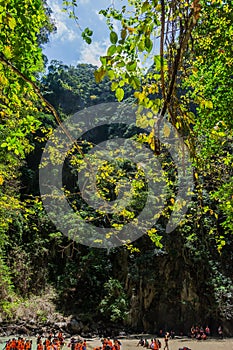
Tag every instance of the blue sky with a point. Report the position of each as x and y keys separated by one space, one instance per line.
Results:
x=67 y=45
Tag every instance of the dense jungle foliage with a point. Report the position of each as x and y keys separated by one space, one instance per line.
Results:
x=163 y=279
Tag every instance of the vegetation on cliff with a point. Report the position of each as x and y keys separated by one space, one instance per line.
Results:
x=162 y=277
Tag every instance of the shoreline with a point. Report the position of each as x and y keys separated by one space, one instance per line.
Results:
x=130 y=343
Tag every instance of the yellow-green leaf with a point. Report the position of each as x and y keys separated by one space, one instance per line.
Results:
x=119 y=94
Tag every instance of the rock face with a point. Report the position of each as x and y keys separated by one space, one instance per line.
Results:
x=74 y=325
x=168 y=292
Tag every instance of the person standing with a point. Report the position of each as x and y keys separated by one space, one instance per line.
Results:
x=166 y=338
x=39 y=345
x=207 y=331
x=220 y=332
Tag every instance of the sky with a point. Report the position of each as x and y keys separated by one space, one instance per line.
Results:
x=67 y=45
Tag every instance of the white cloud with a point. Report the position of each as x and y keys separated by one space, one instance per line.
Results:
x=64 y=32
x=84 y=2
x=116 y=26
x=91 y=53
x=99 y=15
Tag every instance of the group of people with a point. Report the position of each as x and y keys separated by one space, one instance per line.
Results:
x=52 y=342
x=108 y=344
x=18 y=344
x=200 y=333
x=77 y=344
x=153 y=344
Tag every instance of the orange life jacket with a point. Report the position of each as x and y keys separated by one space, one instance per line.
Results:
x=13 y=344
x=21 y=345
x=109 y=342
x=78 y=346
x=47 y=342
x=27 y=345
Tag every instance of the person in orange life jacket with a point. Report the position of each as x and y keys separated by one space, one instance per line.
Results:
x=21 y=344
x=60 y=338
x=8 y=345
x=56 y=344
x=17 y=343
x=53 y=345
x=46 y=343
x=78 y=346
x=28 y=345
x=151 y=344
x=116 y=345
x=104 y=343
x=156 y=345
x=84 y=344
x=39 y=345
x=13 y=344
x=109 y=343
x=50 y=347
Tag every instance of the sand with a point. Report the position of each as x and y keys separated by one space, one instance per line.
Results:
x=175 y=344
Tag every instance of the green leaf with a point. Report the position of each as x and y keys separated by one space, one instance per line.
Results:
x=12 y=23
x=111 y=50
x=123 y=34
x=120 y=64
x=131 y=66
x=114 y=85
x=145 y=6
x=113 y=37
x=88 y=40
x=157 y=62
x=135 y=82
x=103 y=60
x=120 y=94
x=111 y=74
x=7 y=52
x=4 y=144
x=141 y=45
x=209 y=104
x=148 y=44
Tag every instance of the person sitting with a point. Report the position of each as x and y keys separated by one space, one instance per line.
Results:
x=140 y=342
x=203 y=336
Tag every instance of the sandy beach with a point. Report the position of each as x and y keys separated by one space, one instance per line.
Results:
x=176 y=344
